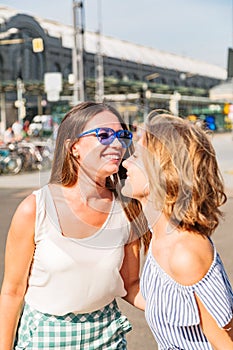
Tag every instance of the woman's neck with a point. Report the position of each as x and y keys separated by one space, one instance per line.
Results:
x=89 y=188
x=157 y=220
x=86 y=189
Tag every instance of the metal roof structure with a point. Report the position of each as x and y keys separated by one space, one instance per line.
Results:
x=120 y=49
x=223 y=91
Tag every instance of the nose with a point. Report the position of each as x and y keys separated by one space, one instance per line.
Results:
x=125 y=163
x=116 y=143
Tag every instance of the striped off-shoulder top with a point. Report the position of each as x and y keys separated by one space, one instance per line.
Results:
x=171 y=308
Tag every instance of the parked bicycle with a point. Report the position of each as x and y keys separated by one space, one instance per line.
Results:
x=10 y=160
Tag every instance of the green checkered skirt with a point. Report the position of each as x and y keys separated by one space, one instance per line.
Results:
x=101 y=329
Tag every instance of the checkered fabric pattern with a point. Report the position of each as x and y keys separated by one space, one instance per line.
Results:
x=103 y=329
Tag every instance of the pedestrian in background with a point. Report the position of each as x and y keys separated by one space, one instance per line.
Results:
x=71 y=249
x=17 y=128
x=8 y=136
x=25 y=129
x=174 y=172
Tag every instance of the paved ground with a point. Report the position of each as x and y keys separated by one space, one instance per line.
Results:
x=14 y=188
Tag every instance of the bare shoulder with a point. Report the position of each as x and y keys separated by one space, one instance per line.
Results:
x=191 y=258
x=25 y=214
x=27 y=206
x=20 y=246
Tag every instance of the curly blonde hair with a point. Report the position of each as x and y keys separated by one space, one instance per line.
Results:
x=184 y=177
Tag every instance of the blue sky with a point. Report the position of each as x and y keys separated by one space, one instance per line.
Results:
x=201 y=29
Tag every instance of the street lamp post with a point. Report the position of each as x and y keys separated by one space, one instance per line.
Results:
x=99 y=79
x=3 y=112
x=146 y=98
x=77 y=53
x=20 y=103
x=174 y=103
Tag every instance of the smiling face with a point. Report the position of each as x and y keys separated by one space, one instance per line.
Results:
x=96 y=159
x=136 y=184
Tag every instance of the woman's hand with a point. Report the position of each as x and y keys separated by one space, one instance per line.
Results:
x=130 y=274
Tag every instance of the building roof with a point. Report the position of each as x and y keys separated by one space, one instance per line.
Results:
x=123 y=50
x=222 y=91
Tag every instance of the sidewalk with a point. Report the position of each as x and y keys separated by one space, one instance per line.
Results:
x=223 y=144
x=34 y=179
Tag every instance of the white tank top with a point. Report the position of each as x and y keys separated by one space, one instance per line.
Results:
x=75 y=275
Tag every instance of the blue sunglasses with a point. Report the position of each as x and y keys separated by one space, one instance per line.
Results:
x=107 y=135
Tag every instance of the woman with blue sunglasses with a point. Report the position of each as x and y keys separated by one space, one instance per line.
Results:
x=71 y=250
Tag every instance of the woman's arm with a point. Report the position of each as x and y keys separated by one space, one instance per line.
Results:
x=130 y=274
x=18 y=257
x=189 y=264
x=220 y=338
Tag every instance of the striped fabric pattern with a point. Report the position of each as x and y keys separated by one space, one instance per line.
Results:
x=102 y=329
x=171 y=309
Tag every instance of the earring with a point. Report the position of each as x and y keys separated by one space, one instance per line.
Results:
x=76 y=154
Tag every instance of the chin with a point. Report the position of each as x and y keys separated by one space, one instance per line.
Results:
x=110 y=172
x=127 y=191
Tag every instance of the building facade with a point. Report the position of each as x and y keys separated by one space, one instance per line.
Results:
x=136 y=75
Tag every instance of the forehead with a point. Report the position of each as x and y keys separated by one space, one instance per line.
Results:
x=140 y=146
x=141 y=149
x=103 y=119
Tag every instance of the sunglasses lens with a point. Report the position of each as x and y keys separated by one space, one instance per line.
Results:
x=125 y=138
x=106 y=136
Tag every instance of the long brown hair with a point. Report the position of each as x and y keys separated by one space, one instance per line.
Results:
x=65 y=166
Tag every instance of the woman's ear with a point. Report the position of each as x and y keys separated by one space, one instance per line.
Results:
x=72 y=150
x=67 y=146
x=75 y=150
